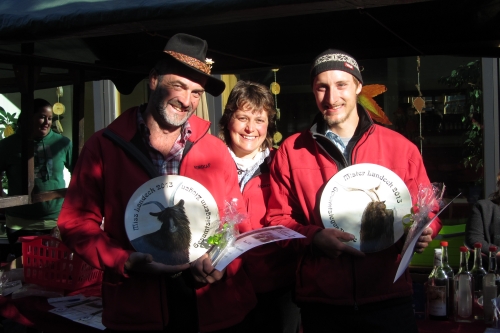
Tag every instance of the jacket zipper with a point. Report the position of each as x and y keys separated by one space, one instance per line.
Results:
x=343 y=162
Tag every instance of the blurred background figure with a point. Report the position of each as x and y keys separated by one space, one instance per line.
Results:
x=52 y=152
x=484 y=222
x=247 y=127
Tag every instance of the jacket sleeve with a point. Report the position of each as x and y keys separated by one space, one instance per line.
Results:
x=82 y=215
x=477 y=228
x=284 y=207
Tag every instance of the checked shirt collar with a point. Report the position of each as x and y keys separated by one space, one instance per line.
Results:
x=166 y=165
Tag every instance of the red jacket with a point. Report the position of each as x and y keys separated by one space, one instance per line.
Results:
x=302 y=166
x=269 y=266
x=104 y=179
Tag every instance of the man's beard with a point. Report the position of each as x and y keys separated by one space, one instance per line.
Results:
x=333 y=122
x=161 y=106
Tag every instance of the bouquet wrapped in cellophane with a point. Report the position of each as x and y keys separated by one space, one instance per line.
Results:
x=429 y=199
x=227 y=231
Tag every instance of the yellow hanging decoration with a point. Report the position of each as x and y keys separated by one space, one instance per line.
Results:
x=275 y=89
x=58 y=109
x=419 y=104
x=277 y=137
x=8 y=131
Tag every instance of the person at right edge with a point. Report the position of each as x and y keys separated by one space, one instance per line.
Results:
x=338 y=288
x=483 y=225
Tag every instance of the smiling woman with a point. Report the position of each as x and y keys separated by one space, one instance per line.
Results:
x=42 y=120
x=247 y=127
x=52 y=153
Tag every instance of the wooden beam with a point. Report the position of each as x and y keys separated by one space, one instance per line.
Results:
x=78 y=113
x=18 y=200
x=49 y=195
x=26 y=75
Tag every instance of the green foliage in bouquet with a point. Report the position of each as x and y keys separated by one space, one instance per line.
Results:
x=219 y=237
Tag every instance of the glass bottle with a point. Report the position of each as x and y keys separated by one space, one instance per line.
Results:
x=489 y=285
x=437 y=290
x=449 y=273
x=478 y=272
x=463 y=290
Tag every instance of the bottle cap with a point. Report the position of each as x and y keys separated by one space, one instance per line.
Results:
x=464 y=249
x=493 y=248
x=444 y=243
x=478 y=245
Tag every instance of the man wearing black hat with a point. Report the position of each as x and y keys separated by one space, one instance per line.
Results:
x=162 y=137
x=340 y=289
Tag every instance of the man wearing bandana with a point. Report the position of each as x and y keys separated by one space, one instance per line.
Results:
x=339 y=288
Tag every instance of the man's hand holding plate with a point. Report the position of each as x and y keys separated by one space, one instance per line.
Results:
x=331 y=242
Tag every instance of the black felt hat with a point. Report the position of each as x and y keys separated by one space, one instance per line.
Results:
x=332 y=59
x=191 y=51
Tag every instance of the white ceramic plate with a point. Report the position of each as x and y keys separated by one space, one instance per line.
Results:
x=347 y=196
x=171 y=217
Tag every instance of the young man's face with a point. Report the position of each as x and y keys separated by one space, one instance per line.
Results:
x=175 y=98
x=336 y=97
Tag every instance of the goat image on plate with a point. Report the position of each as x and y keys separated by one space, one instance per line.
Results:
x=368 y=201
x=170 y=217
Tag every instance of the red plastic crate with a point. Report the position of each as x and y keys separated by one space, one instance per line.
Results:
x=49 y=263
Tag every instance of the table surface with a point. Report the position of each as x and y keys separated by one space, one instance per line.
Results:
x=33 y=311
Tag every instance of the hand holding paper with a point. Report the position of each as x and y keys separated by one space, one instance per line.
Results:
x=424 y=240
x=428 y=199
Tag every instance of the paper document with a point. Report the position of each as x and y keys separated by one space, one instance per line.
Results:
x=86 y=311
x=251 y=239
x=411 y=241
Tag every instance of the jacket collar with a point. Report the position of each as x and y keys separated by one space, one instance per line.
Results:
x=48 y=136
x=318 y=130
